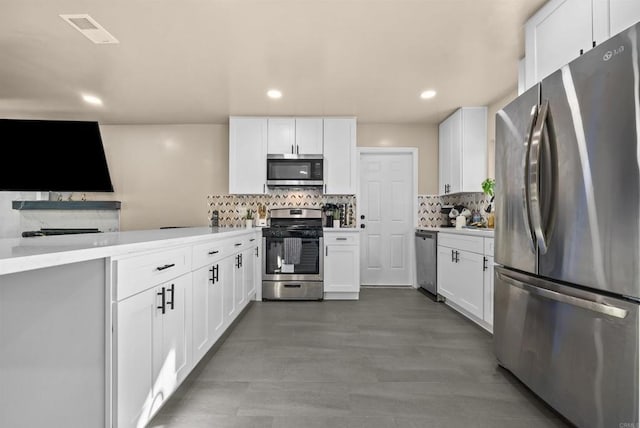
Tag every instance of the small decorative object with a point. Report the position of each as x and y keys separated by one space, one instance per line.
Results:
x=336 y=219
x=261 y=221
x=248 y=219
x=488 y=187
x=215 y=218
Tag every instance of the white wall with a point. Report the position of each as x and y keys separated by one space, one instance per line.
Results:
x=10 y=218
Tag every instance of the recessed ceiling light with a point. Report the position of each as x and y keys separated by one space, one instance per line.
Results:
x=274 y=93
x=90 y=28
x=92 y=99
x=430 y=93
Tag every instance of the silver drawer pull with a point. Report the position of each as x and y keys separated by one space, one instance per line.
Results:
x=165 y=266
x=341 y=239
x=238 y=244
x=211 y=253
x=564 y=298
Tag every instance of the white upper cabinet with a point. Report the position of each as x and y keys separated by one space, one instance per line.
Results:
x=564 y=29
x=295 y=136
x=282 y=135
x=555 y=35
x=462 y=144
x=247 y=155
x=622 y=15
x=340 y=156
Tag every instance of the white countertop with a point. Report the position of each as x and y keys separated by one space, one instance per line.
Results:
x=341 y=229
x=22 y=254
x=485 y=233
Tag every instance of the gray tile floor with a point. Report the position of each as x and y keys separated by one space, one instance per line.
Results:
x=394 y=359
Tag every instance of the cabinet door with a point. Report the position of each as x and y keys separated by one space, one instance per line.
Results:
x=247 y=155
x=341 y=268
x=447 y=280
x=455 y=152
x=622 y=15
x=216 y=302
x=444 y=155
x=470 y=282
x=238 y=283
x=555 y=35
x=282 y=134
x=340 y=156
x=309 y=136
x=228 y=286
x=200 y=311
x=249 y=260
x=488 y=290
x=473 y=167
x=171 y=364
x=135 y=317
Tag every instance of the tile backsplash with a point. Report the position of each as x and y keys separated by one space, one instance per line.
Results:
x=429 y=206
x=232 y=208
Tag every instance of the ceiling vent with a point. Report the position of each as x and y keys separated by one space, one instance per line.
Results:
x=90 y=28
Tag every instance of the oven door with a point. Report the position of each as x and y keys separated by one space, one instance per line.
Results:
x=309 y=266
x=294 y=170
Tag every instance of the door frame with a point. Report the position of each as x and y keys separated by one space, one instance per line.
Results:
x=413 y=151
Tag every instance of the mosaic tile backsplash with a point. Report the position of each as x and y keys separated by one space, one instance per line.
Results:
x=429 y=206
x=232 y=208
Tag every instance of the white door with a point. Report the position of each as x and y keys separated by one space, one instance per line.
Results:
x=200 y=311
x=238 y=283
x=249 y=268
x=340 y=273
x=216 y=303
x=488 y=289
x=471 y=282
x=339 y=156
x=309 y=136
x=455 y=152
x=444 y=156
x=227 y=274
x=247 y=155
x=387 y=203
x=282 y=134
x=447 y=273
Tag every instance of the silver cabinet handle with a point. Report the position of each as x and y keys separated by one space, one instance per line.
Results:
x=533 y=182
x=341 y=239
x=590 y=305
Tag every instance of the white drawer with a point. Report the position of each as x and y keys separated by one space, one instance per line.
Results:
x=211 y=252
x=138 y=273
x=344 y=238
x=488 y=247
x=474 y=244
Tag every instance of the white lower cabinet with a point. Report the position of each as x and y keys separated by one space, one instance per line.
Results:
x=465 y=276
x=152 y=349
x=163 y=331
x=341 y=265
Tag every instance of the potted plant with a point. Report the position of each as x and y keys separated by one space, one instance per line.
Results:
x=336 y=219
x=248 y=219
x=488 y=187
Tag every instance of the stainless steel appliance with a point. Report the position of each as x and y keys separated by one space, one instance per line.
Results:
x=568 y=236
x=426 y=262
x=295 y=170
x=292 y=266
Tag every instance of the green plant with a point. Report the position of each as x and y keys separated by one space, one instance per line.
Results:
x=488 y=186
x=249 y=215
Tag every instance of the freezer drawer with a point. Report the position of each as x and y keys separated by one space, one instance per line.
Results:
x=577 y=350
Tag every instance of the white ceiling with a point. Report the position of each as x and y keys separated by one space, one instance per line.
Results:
x=199 y=61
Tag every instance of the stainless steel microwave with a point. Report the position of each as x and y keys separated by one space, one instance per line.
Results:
x=295 y=170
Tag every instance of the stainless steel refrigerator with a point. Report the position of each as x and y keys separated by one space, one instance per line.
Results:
x=567 y=290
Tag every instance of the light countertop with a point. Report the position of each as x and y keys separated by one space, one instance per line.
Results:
x=485 y=233
x=22 y=254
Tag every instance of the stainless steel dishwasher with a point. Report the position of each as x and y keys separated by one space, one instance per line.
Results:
x=426 y=261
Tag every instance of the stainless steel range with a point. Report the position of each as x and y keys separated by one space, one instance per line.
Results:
x=292 y=266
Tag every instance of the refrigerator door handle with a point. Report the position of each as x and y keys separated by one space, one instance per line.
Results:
x=533 y=181
x=590 y=305
x=526 y=210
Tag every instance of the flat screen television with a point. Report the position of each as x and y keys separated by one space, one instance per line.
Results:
x=52 y=155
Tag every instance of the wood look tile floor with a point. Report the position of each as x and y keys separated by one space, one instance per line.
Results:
x=394 y=359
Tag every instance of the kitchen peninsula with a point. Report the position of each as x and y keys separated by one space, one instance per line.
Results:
x=98 y=330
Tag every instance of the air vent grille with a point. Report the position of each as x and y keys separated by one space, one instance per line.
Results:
x=90 y=28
